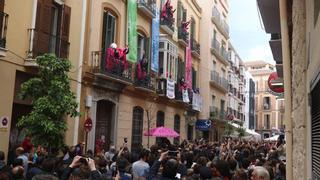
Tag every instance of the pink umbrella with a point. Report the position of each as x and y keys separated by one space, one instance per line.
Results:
x=161 y=132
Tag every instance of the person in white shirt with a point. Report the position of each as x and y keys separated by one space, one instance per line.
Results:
x=141 y=168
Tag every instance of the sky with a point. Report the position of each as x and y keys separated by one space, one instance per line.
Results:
x=247 y=34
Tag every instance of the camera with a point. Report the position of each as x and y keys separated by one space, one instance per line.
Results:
x=83 y=160
x=125 y=140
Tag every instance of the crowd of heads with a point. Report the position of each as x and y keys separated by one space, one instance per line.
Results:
x=199 y=159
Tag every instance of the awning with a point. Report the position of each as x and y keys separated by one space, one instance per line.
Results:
x=249 y=135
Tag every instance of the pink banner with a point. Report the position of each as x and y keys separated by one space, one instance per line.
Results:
x=188 y=72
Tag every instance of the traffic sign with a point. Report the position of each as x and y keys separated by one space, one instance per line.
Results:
x=88 y=125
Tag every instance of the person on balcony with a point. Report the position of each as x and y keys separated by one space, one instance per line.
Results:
x=167 y=13
x=116 y=60
x=142 y=70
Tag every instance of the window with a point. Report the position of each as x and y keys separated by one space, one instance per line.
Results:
x=213 y=98
x=51 y=29
x=222 y=103
x=223 y=71
x=160 y=122
x=192 y=28
x=137 y=128
x=143 y=46
x=181 y=68
x=190 y=132
x=214 y=65
x=256 y=103
x=316 y=10
x=266 y=103
x=257 y=125
x=267 y=121
x=214 y=34
x=109 y=29
x=177 y=128
x=168 y=59
x=194 y=78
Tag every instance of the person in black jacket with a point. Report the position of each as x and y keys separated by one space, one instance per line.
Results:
x=84 y=162
x=170 y=168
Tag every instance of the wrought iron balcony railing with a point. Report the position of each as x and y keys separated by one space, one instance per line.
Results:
x=195 y=46
x=183 y=35
x=148 y=6
x=98 y=65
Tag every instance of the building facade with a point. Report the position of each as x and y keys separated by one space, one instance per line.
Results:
x=121 y=103
x=28 y=29
x=249 y=102
x=236 y=95
x=214 y=36
x=267 y=110
x=294 y=27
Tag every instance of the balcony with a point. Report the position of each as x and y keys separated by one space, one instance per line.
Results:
x=220 y=82
x=219 y=52
x=214 y=112
x=147 y=7
x=167 y=24
x=145 y=84
x=117 y=74
x=3 y=33
x=195 y=47
x=183 y=36
x=220 y=23
x=41 y=43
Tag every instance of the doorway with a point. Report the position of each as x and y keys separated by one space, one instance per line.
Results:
x=104 y=124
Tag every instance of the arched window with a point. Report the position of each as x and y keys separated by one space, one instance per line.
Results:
x=109 y=28
x=160 y=122
x=137 y=127
x=177 y=128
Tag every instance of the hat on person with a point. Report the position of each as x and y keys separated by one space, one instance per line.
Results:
x=113 y=46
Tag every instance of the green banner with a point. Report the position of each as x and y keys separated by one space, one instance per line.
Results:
x=132 y=30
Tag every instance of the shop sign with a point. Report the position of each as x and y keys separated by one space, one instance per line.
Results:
x=203 y=124
x=4 y=123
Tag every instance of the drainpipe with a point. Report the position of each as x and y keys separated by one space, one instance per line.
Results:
x=33 y=26
x=79 y=76
x=287 y=85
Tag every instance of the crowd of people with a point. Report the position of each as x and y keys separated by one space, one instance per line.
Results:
x=198 y=160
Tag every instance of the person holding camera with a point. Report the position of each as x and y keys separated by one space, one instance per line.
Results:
x=82 y=167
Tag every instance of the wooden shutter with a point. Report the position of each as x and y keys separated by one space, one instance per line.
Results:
x=179 y=14
x=64 y=31
x=43 y=27
x=315 y=132
x=194 y=79
x=2 y=5
x=147 y=49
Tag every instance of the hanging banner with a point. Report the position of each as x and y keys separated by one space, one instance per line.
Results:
x=155 y=42
x=132 y=30
x=185 y=96
x=170 y=88
x=188 y=72
x=196 y=102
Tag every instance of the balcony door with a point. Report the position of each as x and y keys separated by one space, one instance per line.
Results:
x=51 y=34
x=109 y=29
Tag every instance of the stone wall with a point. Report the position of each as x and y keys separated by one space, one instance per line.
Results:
x=299 y=84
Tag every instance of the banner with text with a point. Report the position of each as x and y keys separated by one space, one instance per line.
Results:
x=170 y=88
x=155 y=42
